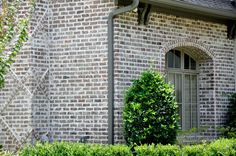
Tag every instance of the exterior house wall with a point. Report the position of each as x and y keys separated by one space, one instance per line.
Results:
x=78 y=67
x=39 y=63
x=138 y=48
x=235 y=62
x=64 y=69
x=23 y=103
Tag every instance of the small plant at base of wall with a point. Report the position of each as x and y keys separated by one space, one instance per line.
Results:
x=229 y=130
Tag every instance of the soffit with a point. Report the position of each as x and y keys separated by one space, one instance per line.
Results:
x=220 y=11
x=214 y=4
x=215 y=9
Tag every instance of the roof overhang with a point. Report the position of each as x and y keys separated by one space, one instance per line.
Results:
x=189 y=10
x=194 y=9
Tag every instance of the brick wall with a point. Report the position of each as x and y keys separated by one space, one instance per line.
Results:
x=139 y=47
x=235 y=62
x=78 y=65
x=64 y=69
x=22 y=99
x=39 y=59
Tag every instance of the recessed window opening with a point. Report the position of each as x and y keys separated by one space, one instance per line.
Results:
x=182 y=73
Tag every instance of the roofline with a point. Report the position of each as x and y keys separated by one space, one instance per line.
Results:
x=195 y=9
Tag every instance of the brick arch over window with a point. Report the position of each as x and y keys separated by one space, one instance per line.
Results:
x=194 y=48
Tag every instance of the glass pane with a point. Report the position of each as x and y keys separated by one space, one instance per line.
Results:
x=194 y=115
x=186 y=61
x=190 y=88
x=187 y=100
x=171 y=78
x=194 y=88
x=194 y=100
x=177 y=59
x=180 y=114
x=170 y=59
x=187 y=90
x=178 y=88
x=193 y=64
x=187 y=117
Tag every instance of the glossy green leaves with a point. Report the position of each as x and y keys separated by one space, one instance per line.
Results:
x=150 y=113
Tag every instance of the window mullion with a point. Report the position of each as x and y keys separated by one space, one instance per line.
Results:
x=174 y=58
x=183 y=91
x=183 y=103
x=191 y=100
x=198 y=106
x=182 y=61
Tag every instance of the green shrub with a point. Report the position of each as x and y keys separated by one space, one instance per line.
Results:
x=158 y=150
x=75 y=149
x=150 y=112
x=222 y=147
x=196 y=150
x=38 y=149
x=6 y=153
x=169 y=150
x=146 y=150
x=229 y=131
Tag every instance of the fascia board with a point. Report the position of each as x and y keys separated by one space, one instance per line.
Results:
x=195 y=9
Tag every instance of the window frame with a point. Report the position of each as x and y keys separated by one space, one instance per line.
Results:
x=182 y=71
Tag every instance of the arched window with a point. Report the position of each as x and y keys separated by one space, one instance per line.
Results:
x=182 y=73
